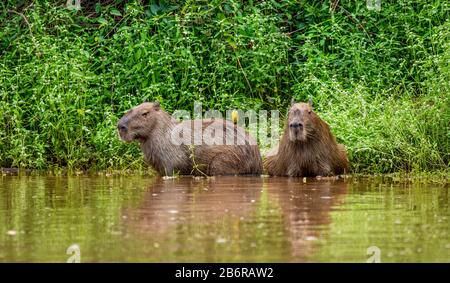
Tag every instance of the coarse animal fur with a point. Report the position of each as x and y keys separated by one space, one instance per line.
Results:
x=156 y=131
x=307 y=147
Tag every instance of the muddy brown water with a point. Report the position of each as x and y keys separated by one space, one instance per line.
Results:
x=222 y=219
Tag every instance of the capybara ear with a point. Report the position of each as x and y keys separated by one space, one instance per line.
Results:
x=156 y=105
x=310 y=102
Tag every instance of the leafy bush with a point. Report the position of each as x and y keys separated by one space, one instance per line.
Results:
x=380 y=79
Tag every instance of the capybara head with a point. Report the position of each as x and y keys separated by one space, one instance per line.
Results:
x=138 y=122
x=301 y=121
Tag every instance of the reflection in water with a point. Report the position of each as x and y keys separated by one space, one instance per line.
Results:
x=187 y=200
x=305 y=209
x=187 y=213
x=222 y=219
x=194 y=219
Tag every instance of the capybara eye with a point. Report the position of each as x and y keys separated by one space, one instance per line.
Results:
x=144 y=114
x=309 y=111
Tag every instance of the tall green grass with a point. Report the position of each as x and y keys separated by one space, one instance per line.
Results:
x=380 y=79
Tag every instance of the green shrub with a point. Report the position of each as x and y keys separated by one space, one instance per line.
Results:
x=380 y=79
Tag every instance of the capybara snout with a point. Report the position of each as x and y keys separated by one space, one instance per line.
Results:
x=122 y=128
x=299 y=117
x=296 y=125
x=137 y=123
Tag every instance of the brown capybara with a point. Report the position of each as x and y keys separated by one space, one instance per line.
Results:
x=307 y=147
x=203 y=150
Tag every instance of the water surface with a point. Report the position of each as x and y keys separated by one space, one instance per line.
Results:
x=222 y=219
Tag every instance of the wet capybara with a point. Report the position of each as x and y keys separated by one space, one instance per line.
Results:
x=307 y=147
x=158 y=135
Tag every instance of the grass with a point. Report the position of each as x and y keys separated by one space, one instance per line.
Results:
x=380 y=79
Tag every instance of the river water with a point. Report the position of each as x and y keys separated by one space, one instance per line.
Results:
x=222 y=219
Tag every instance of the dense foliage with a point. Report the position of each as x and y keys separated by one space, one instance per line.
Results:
x=381 y=79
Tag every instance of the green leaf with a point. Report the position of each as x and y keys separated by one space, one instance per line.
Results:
x=102 y=21
x=115 y=12
x=98 y=7
x=154 y=9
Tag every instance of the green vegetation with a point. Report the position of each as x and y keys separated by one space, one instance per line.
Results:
x=380 y=79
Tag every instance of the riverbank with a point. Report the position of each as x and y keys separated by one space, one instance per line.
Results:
x=436 y=177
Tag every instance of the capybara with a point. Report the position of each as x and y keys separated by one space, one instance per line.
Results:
x=155 y=130
x=307 y=147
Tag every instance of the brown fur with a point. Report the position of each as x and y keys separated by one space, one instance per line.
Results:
x=153 y=127
x=310 y=149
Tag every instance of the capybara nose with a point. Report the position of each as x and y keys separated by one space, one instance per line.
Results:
x=296 y=125
x=122 y=127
